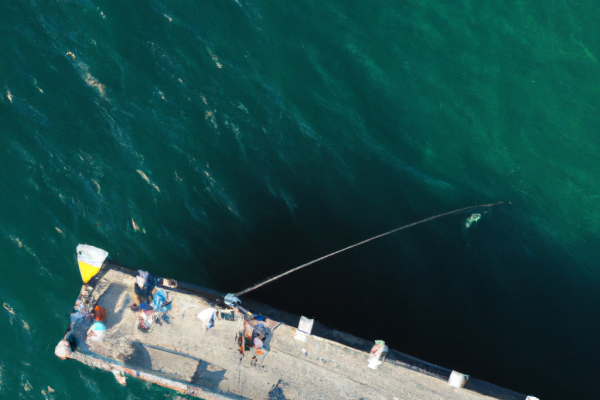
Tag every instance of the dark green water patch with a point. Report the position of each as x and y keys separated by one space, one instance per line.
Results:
x=223 y=142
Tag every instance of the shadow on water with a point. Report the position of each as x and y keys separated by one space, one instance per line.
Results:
x=496 y=301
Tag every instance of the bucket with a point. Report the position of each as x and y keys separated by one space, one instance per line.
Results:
x=457 y=379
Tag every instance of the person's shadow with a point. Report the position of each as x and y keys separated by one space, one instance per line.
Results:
x=115 y=299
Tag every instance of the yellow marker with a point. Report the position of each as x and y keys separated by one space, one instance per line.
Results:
x=90 y=261
x=87 y=271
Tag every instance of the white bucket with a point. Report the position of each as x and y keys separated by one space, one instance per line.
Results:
x=457 y=379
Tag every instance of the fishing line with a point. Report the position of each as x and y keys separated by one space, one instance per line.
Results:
x=271 y=279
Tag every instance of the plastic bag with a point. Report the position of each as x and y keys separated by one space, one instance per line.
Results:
x=207 y=317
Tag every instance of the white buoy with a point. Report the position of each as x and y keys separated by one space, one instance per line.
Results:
x=531 y=398
x=457 y=379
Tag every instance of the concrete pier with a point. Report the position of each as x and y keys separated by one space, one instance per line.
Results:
x=210 y=364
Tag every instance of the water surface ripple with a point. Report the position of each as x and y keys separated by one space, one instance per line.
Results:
x=221 y=142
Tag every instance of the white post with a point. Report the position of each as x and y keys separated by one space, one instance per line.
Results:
x=457 y=379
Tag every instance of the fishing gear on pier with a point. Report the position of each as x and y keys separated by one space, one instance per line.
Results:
x=233 y=300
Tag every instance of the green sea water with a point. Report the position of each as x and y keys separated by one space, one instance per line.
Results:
x=221 y=142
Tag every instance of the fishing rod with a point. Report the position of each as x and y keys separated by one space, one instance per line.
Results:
x=232 y=298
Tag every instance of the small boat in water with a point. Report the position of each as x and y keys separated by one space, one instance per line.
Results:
x=188 y=339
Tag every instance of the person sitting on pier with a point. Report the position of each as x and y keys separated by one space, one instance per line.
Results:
x=97 y=331
x=255 y=334
x=161 y=303
x=153 y=301
x=259 y=335
x=145 y=290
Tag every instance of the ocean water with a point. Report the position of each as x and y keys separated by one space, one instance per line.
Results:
x=221 y=142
